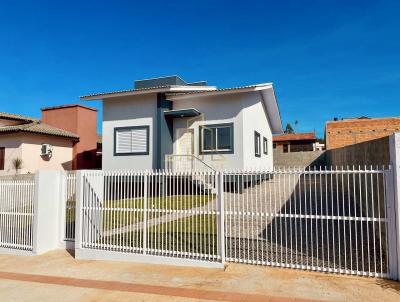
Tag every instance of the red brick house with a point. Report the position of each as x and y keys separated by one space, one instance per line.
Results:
x=294 y=142
x=347 y=132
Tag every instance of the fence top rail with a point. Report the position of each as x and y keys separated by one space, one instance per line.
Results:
x=302 y=171
x=17 y=177
x=291 y=170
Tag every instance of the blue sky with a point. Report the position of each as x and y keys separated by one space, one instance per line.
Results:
x=326 y=58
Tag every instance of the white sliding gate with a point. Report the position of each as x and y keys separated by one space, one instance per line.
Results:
x=149 y=216
x=16 y=212
x=324 y=220
x=330 y=220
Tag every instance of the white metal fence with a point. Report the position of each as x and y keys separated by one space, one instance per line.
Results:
x=331 y=220
x=70 y=206
x=151 y=213
x=186 y=163
x=16 y=212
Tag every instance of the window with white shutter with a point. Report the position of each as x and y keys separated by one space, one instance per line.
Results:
x=131 y=140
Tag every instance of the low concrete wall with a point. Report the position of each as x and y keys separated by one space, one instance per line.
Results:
x=374 y=152
x=299 y=159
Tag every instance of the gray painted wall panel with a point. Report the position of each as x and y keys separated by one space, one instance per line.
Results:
x=126 y=112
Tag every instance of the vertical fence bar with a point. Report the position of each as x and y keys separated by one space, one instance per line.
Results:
x=145 y=210
x=221 y=209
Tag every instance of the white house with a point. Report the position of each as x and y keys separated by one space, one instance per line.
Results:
x=37 y=145
x=168 y=123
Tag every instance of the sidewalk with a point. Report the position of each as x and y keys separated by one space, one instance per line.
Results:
x=57 y=276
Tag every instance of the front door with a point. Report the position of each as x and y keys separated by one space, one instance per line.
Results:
x=185 y=149
x=185 y=141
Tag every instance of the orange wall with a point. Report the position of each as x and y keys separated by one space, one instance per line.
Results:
x=349 y=132
x=81 y=121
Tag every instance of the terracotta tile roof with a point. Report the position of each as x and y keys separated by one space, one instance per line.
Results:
x=294 y=137
x=16 y=117
x=32 y=125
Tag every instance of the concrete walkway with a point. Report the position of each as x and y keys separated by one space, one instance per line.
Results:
x=211 y=206
x=57 y=276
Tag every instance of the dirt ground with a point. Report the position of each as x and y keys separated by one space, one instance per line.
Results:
x=57 y=276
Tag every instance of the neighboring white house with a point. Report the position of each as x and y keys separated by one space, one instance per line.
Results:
x=168 y=123
x=38 y=145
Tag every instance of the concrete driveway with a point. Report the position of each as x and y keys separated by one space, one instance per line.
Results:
x=57 y=276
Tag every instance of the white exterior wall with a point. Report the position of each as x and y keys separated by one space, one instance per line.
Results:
x=215 y=110
x=62 y=153
x=13 y=149
x=28 y=148
x=255 y=118
x=126 y=112
x=247 y=113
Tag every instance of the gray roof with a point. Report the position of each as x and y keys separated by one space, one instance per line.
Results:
x=32 y=125
x=127 y=90
x=167 y=80
x=221 y=89
x=175 y=93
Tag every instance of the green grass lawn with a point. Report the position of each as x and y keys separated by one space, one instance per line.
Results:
x=194 y=234
x=118 y=213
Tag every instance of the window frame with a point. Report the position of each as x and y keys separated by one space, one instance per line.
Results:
x=257 y=143
x=146 y=127
x=2 y=158
x=265 y=145
x=216 y=150
x=285 y=146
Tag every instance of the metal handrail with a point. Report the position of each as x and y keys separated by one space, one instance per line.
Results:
x=192 y=157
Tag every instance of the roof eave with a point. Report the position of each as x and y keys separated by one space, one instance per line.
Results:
x=174 y=89
x=274 y=113
x=74 y=138
x=294 y=139
x=205 y=93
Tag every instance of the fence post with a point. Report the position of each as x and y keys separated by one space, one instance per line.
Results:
x=46 y=222
x=63 y=205
x=145 y=206
x=393 y=207
x=221 y=210
x=78 y=208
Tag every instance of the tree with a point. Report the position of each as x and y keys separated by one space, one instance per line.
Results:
x=289 y=129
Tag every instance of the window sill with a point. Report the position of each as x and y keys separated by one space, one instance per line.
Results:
x=216 y=152
x=130 y=154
